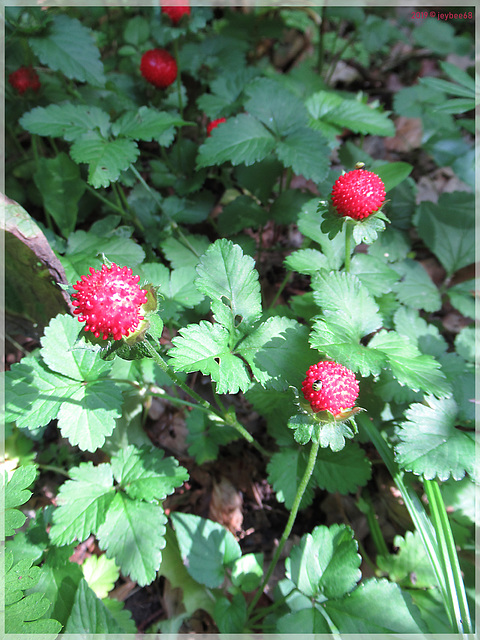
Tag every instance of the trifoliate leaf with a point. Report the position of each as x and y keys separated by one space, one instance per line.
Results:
x=408 y=365
x=431 y=445
x=277 y=352
x=450 y=237
x=68 y=46
x=146 y=475
x=416 y=289
x=326 y=563
x=66 y=120
x=133 y=533
x=285 y=470
x=90 y=615
x=82 y=503
x=228 y=276
x=106 y=159
x=329 y=472
x=207 y=548
x=101 y=573
x=376 y=606
x=425 y=336
x=239 y=140
x=348 y=299
x=205 y=347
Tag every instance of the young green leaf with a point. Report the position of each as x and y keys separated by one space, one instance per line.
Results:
x=410 y=565
x=431 y=445
x=207 y=548
x=100 y=574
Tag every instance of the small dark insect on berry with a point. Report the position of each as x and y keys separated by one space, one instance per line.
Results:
x=360 y=165
x=317 y=385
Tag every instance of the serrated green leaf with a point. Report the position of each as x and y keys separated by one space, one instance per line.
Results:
x=58 y=180
x=16 y=494
x=425 y=336
x=205 y=434
x=277 y=352
x=228 y=276
x=133 y=533
x=231 y=615
x=376 y=606
x=310 y=621
x=416 y=289
x=330 y=108
x=450 y=237
x=90 y=615
x=411 y=368
x=106 y=159
x=177 y=288
x=465 y=343
x=207 y=548
x=66 y=355
x=348 y=300
x=100 y=573
x=329 y=473
x=66 y=120
x=82 y=503
x=180 y=255
x=89 y=414
x=239 y=214
x=306 y=152
x=285 y=470
x=68 y=46
x=372 y=272
x=410 y=566
x=146 y=124
x=282 y=113
x=325 y=563
x=146 y=475
x=240 y=140
x=26 y=616
x=393 y=173
x=304 y=427
x=462 y=297
x=205 y=347
x=431 y=445
x=342 y=344
x=309 y=222
x=368 y=229
x=306 y=261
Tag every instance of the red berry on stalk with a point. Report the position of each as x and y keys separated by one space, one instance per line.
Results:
x=159 y=68
x=330 y=386
x=24 y=78
x=109 y=301
x=214 y=123
x=176 y=12
x=358 y=194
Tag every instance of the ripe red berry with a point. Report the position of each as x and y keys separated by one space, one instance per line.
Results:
x=176 y=12
x=358 y=194
x=24 y=78
x=159 y=68
x=211 y=125
x=109 y=301
x=330 y=386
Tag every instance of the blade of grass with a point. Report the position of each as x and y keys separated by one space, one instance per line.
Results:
x=449 y=558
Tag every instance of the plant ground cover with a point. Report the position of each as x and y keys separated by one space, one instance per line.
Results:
x=240 y=302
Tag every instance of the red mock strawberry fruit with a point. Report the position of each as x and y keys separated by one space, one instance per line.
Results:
x=358 y=194
x=109 y=301
x=214 y=123
x=330 y=386
x=176 y=12
x=24 y=78
x=159 y=68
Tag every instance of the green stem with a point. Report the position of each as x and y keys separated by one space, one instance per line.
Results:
x=348 y=245
x=449 y=558
x=291 y=520
x=111 y=205
x=280 y=289
x=50 y=467
x=376 y=532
